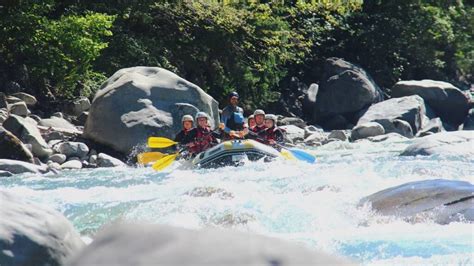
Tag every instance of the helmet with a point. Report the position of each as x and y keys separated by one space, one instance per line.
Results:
x=251 y=117
x=233 y=94
x=201 y=114
x=187 y=118
x=259 y=112
x=271 y=117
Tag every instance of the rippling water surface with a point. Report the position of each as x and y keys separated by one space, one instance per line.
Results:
x=315 y=205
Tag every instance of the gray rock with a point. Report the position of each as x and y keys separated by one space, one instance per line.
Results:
x=31 y=121
x=3 y=117
x=143 y=244
x=443 y=201
x=142 y=101
x=435 y=125
x=57 y=158
x=54 y=135
x=457 y=143
x=72 y=164
x=72 y=149
x=345 y=88
x=58 y=115
x=309 y=130
x=402 y=127
x=296 y=121
x=12 y=99
x=337 y=122
x=30 y=100
x=104 y=160
x=31 y=234
x=293 y=133
x=12 y=148
x=450 y=103
x=469 y=121
x=338 y=134
x=20 y=167
x=410 y=109
x=366 y=130
x=388 y=137
x=58 y=123
x=76 y=107
x=315 y=138
x=35 y=117
x=28 y=134
x=19 y=108
x=93 y=159
x=53 y=165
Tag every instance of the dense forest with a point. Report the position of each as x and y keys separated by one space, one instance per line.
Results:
x=61 y=49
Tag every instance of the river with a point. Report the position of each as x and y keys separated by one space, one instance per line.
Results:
x=313 y=204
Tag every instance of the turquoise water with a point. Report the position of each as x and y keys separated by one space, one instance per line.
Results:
x=315 y=205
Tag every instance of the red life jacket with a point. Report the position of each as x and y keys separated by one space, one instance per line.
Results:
x=203 y=140
x=274 y=133
x=258 y=129
x=260 y=133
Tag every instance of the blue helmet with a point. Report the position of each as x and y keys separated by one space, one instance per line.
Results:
x=233 y=94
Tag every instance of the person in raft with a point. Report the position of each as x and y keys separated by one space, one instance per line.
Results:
x=274 y=135
x=187 y=134
x=204 y=137
x=232 y=118
x=251 y=121
x=258 y=131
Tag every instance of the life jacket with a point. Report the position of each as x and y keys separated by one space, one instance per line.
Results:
x=202 y=141
x=275 y=134
x=184 y=136
x=259 y=133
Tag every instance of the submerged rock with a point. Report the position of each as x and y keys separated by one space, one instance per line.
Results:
x=210 y=191
x=31 y=234
x=140 y=102
x=366 y=130
x=457 y=143
x=442 y=201
x=139 y=244
x=20 y=167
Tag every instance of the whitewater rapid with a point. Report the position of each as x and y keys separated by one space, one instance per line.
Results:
x=313 y=204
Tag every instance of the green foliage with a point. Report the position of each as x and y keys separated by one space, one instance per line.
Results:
x=252 y=47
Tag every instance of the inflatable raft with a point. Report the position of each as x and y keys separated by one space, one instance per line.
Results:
x=236 y=152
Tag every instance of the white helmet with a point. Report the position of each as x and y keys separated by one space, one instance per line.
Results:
x=251 y=117
x=272 y=117
x=259 y=112
x=201 y=114
x=187 y=118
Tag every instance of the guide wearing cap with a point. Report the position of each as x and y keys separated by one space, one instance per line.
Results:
x=233 y=116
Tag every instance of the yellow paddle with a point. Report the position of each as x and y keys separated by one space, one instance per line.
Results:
x=160 y=142
x=148 y=157
x=164 y=162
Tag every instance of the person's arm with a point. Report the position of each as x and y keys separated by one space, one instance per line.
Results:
x=226 y=114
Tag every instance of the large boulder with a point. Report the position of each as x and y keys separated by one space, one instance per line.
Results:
x=443 y=201
x=345 y=89
x=448 y=102
x=28 y=134
x=366 y=130
x=457 y=143
x=31 y=234
x=139 y=102
x=309 y=100
x=12 y=148
x=410 y=109
x=20 y=167
x=142 y=244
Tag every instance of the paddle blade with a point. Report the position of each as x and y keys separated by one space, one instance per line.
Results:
x=164 y=162
x=160 y=142
x=302 y=155
x=148 y=157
